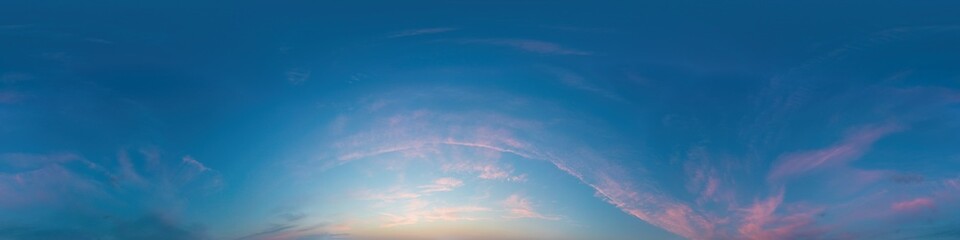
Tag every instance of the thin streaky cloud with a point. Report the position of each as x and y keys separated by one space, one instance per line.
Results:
x=518 y=206
x=530 y=45
x=390 y=196
x=298 y=76
x=441 y=185
x=422 y=31
x=659 y=210
x=852 y=147
x=437 y=214
x=576 y=81
x=190 y=161
x=761 y=221
x=915 y=204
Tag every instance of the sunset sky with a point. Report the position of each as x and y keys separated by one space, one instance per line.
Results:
x=478 y=120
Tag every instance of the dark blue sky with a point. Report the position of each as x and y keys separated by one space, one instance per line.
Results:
x=479 y=120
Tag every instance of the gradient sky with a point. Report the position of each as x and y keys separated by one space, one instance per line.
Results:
x=479 y=120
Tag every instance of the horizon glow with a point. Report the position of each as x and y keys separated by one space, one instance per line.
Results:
x=509 y=120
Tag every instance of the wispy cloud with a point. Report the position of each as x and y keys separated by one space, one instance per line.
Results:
x=191 y=162
x=484 y=170
x=392 y=220
x=128 y=170
x=655 y=209
x=454 y=213
x=290 y=231
x=43 y=187
x=389 y=196
x=28 y=180
x=702 y=179
x=915 y=204
x=298 y=76
x=519 y=207
x=852 y=147
x=576 y=81
x=421 y=31
x=953 y=183
x=761 y=222
x=39 y=179
x=399 y=135
x=419 y=130
x=440 y=214
x=529 y=45
x=441 y=185
x=905 y=178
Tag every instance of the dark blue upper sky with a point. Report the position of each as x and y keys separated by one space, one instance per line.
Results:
x=479 y=120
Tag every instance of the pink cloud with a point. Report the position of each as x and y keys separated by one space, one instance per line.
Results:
x=760 y=221
x=655 y=209
x=681 y=219
x=520 y=207
x=441 y=214
x=483 y=161
x=425 y=133
x=484 y=170
x=711 y=188
x=441 y=185
x=913 y=205
x=704 y=182
x=611 y=183
x=852 y=147
x=491 y=171
x=759 y=215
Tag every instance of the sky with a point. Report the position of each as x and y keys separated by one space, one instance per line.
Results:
x=469 y=119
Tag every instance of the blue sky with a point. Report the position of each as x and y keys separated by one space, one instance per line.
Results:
x=479 y=120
